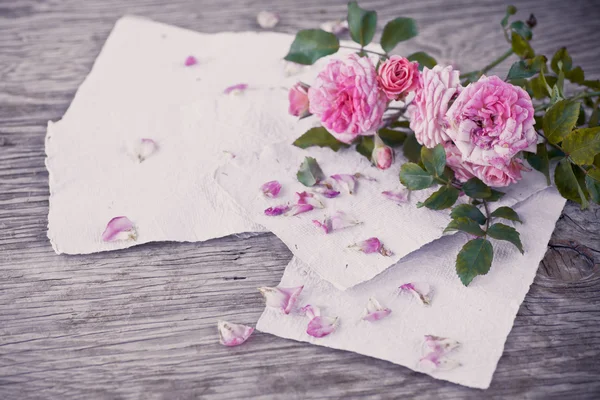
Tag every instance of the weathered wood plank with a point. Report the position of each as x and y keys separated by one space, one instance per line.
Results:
x=140 y=323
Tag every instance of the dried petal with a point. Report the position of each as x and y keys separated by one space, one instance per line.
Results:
x=308 y=198
x=338 y=221
x=298 y=209
x=375 y=311
x=236 y=89
x=233 y=334
x=277 y=210
x=271 y=189
x=325 y=191
x=421 y=290
x=432 y=362
x=439 y=344
x=191 y=60
x=371 y=245
x=337 y=27
x=435 y=349
x=321 y=326
x=143 y=148
x=267 y=19
x=400 y=196
x=282 y=298
x=345 y=181
x=119 y=228
x=311 y=311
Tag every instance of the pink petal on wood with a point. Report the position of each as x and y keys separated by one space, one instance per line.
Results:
x=119 y=228
x=233 y=334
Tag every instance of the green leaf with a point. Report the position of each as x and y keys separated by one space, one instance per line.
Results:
x=434 y=159
x=527 y=68
x=567 y=184
x=391 y=137
x=582 y=145
x=400 y=124
x=592 y=183
x=424 y=60
x=468 y=211
x=539 y=161
x=592 y=84
x=495 y=196
x=414 y=177
x=522 y=29
x=563 y=56
x=521 y=46
x=476 y=189
x=475 y=258
x=504 y=232
x=412 y=149
x=576 y=75
x=310 y=173
x=506 y=213
x=581 y=118
x=444 y=197
x=538 y=86
x=312 y=44
x=560 y=119
x=465 y=225
x=594 y=118
x=361 y=23
x=319 y=137
x=365 y=146
x=396 y=31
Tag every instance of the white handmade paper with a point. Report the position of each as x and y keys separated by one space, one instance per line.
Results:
x=402 y=228
x=479 y=316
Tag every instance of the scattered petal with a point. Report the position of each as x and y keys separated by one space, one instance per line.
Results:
x=345 y=181
x=191 y=60
x=339 y=220
x=321 y=326
x=236 y=89
x=337 y=27
x=375 y=311
x=400 y=196
x=271 y=189
x=326 y=191
x=435 y=349
x=439 y=344
x=119 y=228
x=233 y=334
x=421 y=290
x=371 y=245
x=311 y=311
x=432 y=362
x=298 y=209
x=267 y=19
x=281 y=298
x=308 y=198
x=277 y=210
x=143 y=148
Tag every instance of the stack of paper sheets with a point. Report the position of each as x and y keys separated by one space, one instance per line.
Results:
x=214 y=152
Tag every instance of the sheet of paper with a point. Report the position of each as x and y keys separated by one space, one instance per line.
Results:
x=479 y=316
x=403 y=228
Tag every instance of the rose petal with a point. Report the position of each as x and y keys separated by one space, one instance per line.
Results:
x=375 y=311
x=281 y=298
x=325 y=191
x=190 y=60
x=298 y=209
x=439 y=344
x=336 y=222
x=277 y=210
x=271 y=189
x=233 y=334
x=337 y=27
x=421 y=290
x=371 y=245
x=308 y=198
x=322 y=225
x=431 y=363
x=236 y=89
x=321 y=326
x=435 y=349
x=311 y=311
x=345 y=181
x=267 y=19
x=119 y=228
x=399 y=196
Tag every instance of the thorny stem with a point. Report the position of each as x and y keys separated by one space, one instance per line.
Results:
x=365 y=50
x=487 y=214
x=489 y=66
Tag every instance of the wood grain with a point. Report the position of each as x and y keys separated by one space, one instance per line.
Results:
x=140 y=323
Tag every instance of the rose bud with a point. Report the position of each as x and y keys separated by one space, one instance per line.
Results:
x=397 y=76
x=383 y=156
x=298 y=97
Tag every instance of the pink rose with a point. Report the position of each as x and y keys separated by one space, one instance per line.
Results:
x=495 y=176
x=383 y=157
x=463 y=171
x=397 y=76
x=298 y=97
x=427 y=112
x=491 y=121
x=347 y=99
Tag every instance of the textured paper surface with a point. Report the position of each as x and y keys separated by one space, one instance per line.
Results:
x=402 y=228
x=479 y=317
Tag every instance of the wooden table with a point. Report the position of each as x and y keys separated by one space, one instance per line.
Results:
x=141 y=323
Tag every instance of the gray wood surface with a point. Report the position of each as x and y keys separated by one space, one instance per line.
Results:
x=140 y=323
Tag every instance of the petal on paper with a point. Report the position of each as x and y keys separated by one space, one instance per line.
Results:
x=440 y=345
x=375 y=311
x=345 y=181
x=321 y=326
x=233 y=334
x=299 y=209
x=190 y=60
x=271 y=189
x=399 y=196
x=277 y=210
x=119 y=228
x=311 y=311
x=326 y=191
x=308 y=198
x=324 y=226
x=143 y=148
x=337 y=27
x=336 y=222
x=431 y=362
x=281 y=298
x=421 y=290
x=368 y=246
x=236 y=89
x=267 y=19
